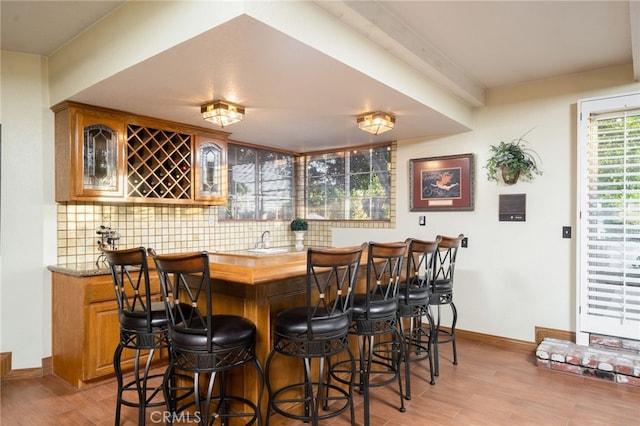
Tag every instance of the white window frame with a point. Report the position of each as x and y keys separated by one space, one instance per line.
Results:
x=587 y=323
x=348 y=175
x=271 y=193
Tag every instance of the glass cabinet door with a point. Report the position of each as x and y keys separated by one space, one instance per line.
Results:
x=210 y=169
x=100 y=157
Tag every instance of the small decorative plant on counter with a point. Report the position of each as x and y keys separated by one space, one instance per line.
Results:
x=299 y=226
x=513 y=161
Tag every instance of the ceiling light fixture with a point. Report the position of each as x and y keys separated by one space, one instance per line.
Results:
x=376 y=122
x=222 y=113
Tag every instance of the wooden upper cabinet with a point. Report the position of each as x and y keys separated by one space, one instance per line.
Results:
x=210 y=169
x=90 y=155
x=106 y=155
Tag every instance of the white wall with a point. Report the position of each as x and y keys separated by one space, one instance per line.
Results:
x=27 y=210
x=514 y=275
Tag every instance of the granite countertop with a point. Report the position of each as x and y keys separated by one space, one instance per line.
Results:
x=81 y=269
x=91 y=269
x=238 y=265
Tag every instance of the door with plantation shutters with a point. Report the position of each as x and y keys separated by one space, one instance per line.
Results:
x=609 y=217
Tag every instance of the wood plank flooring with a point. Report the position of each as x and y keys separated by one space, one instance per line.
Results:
x=489 y=386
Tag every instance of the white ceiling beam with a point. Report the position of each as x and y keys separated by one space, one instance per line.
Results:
x=385 y=29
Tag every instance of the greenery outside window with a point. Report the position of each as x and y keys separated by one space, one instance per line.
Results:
x=353 y=184
x=261 y=184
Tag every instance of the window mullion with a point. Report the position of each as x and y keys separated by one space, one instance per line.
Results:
x=347 y=185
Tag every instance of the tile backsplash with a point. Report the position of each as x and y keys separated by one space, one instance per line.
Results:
x=171 y=228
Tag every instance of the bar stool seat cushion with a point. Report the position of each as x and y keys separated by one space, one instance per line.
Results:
x=227 y=331
x=416 y=295
x=443 y=286
x=379 y=308
x=293 y=323
x=137 y=319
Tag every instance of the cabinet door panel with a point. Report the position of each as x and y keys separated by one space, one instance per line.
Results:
x=99 y=156
x=101 y=341
x=210 y=170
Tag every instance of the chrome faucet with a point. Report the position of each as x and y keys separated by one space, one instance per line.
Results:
x=265 y=239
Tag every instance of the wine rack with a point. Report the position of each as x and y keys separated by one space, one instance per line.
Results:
x=158 y=163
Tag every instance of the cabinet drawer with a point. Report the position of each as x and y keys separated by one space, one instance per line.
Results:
x=100 y=288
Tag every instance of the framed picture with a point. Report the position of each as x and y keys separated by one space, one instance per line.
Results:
x=441 y=183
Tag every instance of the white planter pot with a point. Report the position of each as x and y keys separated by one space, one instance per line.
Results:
x=299 y=240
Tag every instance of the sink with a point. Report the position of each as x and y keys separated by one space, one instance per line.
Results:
x=273 y=250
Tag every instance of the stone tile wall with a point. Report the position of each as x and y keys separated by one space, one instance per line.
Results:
x=169 y=228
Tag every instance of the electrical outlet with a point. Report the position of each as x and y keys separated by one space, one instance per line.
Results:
x=566 y=232
x=465 y=242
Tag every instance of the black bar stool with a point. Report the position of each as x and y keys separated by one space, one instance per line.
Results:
x=413 y=306
x=442 y=294
x=203 y=344
x=143 y=328
x=375 y=316
x=317 y=331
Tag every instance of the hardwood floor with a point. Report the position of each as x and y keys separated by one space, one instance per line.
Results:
x=489 y=386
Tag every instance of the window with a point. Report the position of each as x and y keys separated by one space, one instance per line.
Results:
x=261 y=184
x=349 y=185
x=609 y=299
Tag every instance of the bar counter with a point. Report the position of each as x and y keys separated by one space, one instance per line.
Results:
x=245 y=267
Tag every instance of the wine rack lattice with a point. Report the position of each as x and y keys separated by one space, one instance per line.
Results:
x=158 y=163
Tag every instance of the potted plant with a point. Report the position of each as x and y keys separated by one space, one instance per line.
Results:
x=513 y=160
x=299 y=226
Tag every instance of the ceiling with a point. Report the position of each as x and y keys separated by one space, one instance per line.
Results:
x=301 y=99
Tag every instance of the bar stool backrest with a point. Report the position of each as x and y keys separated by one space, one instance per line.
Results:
x=130 y=273
x=445 y=263
x=421 y=259
x=331 y=279
x=384 y=270
x=184 y=279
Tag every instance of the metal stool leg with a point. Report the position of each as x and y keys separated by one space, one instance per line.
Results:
x=453 y=332
x=117 y=355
